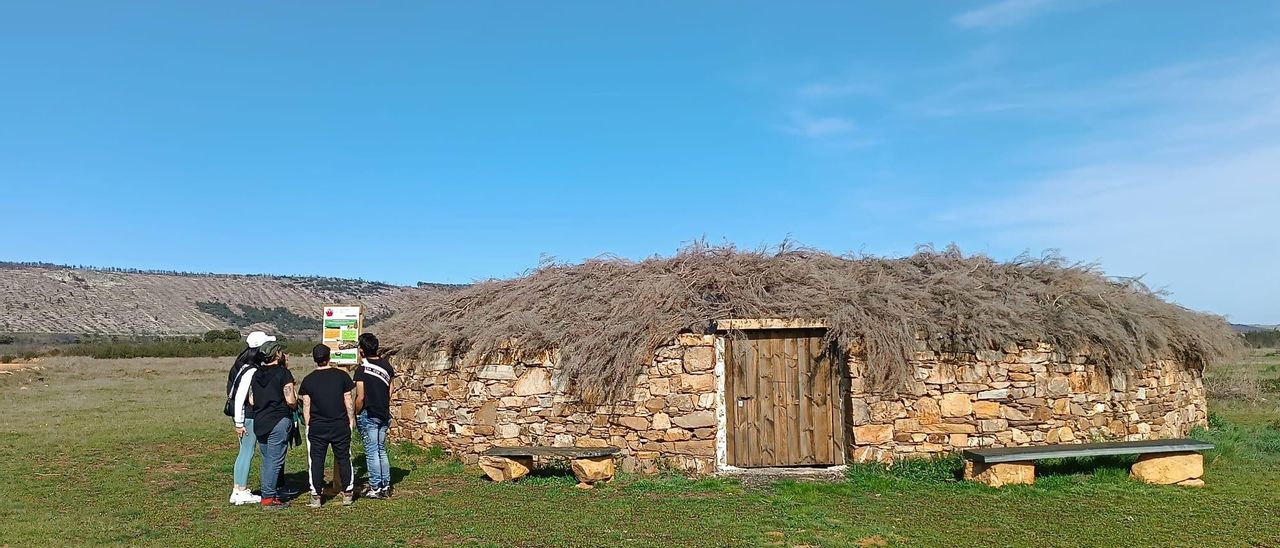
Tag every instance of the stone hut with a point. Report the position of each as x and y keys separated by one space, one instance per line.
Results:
x=699 y=363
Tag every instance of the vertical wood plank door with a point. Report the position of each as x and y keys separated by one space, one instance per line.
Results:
x=784 y=399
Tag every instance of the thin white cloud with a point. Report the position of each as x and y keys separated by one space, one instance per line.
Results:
x=1002 y=14
x=833 y=90
x=1185 y=191
x=817 y=127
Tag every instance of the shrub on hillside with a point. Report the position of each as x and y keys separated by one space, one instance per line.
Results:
x=1233 y=383
x=1263 y=339
x=173 y=347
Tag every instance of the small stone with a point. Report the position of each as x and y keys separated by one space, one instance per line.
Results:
x=956 y=404
x=699 y=359
x=633 y=422
x=1000 y=474
x=660 y=386
x=1058 y=386
x=994 y=394
x=661 y=421
x=697 y=419
x=593 y=469
x=697 y=383
x=873 y=434
x=1013 y=414
x=927 y=411
x=989 y=355
x=505 y=468
x=1168 y=468
x=993 y=425
x=507 y=431
x=497 y=371
x=535 y=381
x=986 y=409
x=859 y=412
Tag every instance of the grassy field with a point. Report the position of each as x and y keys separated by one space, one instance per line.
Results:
x=138 y=452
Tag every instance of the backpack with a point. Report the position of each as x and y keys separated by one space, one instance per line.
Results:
x=228 y=409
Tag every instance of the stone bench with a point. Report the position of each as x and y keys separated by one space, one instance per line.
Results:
x=589 y=464
x=1163 y=462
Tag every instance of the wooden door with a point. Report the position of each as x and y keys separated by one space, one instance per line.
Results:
x=784 y=400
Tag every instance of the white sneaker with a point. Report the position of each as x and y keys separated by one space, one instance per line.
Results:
x=244 y=497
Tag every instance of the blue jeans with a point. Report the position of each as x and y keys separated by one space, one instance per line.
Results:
x=273 y=453
x=248 y=444
x=373 y=431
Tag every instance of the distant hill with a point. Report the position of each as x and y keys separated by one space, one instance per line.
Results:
x=45 y=298
x=1242 y=328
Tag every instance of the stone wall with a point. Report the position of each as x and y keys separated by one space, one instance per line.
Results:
x=1022 y=395
x=669 y=421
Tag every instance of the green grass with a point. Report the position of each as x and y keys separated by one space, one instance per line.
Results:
x=137 y=452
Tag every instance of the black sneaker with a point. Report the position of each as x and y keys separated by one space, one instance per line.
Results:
x=373 y=494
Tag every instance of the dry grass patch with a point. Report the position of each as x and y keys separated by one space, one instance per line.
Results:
x=606 y=316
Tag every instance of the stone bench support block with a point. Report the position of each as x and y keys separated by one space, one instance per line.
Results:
x=1001 y=474
x=1170 y=469
x=506 y=468
x=591 y=470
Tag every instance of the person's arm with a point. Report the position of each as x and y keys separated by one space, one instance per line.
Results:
x=359 y=403
x=290 y=397
x=306 y=409
x=350 y=400
x=242 y=395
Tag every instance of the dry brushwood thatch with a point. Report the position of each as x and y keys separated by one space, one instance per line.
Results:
x=607 y=316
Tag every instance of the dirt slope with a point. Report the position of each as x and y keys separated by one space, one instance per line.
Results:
x=54 y=299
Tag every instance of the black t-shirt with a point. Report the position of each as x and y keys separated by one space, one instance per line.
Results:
x=376 y=374
x=326 y=387
x=269 y=405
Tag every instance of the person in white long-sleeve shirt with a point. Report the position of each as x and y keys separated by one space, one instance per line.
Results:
x=238 y=386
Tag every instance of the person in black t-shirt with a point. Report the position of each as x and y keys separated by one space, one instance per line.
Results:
x=373 y=403
x=328 y=408
x=274 y=399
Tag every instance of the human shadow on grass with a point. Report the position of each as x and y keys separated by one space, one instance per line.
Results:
x=360 y=467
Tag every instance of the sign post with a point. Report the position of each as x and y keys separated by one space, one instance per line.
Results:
x=342 y=326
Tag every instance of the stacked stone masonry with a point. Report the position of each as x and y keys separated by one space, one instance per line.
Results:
x=1021 y=395
x=669 y=420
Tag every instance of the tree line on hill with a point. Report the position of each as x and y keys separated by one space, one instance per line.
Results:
x=212 y=344
x=1269 y=338
x=284 y=319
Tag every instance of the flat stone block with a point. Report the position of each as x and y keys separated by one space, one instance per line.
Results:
x=505 y=468
x=593 y=469
x=1168 y=468
x=1000 y=474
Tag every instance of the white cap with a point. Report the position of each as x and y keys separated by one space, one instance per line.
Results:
x=258 y=338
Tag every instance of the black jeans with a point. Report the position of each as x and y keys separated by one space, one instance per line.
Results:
x=320 y=437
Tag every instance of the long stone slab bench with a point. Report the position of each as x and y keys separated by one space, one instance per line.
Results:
x=1165 y=462
x=590 y=465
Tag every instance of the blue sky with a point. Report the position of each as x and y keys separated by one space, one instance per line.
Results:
x=407 y=141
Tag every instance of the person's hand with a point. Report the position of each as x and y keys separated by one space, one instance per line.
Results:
x=240 y=431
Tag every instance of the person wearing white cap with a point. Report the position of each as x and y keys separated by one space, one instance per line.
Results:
x=242 y=415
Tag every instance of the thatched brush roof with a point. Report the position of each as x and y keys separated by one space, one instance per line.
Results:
x=606 y=316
